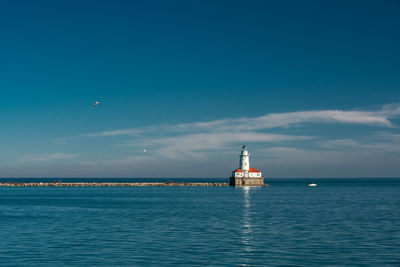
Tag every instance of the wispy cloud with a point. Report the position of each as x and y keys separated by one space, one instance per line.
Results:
x=343 y=143
x=325 y=142
x=193 y=144
x=378 y=117
x=379 y=142
x=117 y=132
x=48 y=157
x=188 y=140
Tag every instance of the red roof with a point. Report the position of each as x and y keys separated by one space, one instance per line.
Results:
x=238 y=170
x=253 y=170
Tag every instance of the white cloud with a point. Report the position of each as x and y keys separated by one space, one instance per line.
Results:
x=342 y=143
x=378 y=118
x=280 y=149
x=391 y=110
x=115 y=133
x=375 y=143
x=194 y=144
x=48 y=157
x=386 y=136
x=188 y=140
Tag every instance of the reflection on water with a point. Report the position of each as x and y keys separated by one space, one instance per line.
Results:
x=246 y=229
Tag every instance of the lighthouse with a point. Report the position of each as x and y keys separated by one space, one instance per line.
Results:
x=246 y=176
x=244 y=164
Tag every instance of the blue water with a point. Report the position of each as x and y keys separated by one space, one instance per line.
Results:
x=338 y=223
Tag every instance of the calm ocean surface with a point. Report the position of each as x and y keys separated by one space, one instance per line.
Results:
x=353 y=222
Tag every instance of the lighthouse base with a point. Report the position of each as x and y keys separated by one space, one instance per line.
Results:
x=246 y=181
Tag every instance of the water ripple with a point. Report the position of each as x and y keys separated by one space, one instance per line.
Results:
x=284 y=225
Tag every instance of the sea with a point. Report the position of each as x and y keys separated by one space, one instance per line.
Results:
x=340 y=222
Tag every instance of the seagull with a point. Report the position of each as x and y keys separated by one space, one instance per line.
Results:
x=97 y=103
x=144 y=150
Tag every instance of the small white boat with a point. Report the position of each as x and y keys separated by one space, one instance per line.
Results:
x=312 y=184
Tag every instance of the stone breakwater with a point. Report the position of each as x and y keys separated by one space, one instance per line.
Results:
x=58 y=184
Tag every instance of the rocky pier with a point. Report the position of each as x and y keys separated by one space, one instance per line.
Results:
x=60 y=184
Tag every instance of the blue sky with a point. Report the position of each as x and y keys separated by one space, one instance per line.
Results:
x=312 y=87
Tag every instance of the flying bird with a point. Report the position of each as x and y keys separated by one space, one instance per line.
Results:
x=144 y=150
x=97 y=103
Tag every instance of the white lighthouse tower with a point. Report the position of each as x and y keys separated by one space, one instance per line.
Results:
x=246 y=176
x=244 y=160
